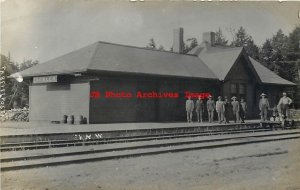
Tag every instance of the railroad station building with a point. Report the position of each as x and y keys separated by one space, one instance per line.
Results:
x=63 y=85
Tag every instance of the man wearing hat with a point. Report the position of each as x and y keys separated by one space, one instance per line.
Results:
x=220 y=107
x=227 y=109
x=199 y=109
x=189 y=107
x=243 y=110
x=235 y=109
x=210 y=108
x=283 y=104
x=263 y=107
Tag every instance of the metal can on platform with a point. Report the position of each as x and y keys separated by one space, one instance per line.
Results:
x=70 y=119
x=78 y=120
x=64 y=119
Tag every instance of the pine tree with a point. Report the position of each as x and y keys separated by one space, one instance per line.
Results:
x=220 y=38
x=242 y=39
x=266 y=55
x=190 y=44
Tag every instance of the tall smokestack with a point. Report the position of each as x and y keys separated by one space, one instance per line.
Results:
x=178 y=40
x=209 y=37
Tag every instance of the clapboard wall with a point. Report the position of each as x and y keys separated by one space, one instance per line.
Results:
x=49 y=102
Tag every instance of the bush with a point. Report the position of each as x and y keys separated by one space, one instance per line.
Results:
x=19 y=115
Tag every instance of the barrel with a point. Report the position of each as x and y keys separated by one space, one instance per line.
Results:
x=70 y=119
x=64 y=119
x=78 y=120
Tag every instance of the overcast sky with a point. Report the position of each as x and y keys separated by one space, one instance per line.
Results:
x=44 y=29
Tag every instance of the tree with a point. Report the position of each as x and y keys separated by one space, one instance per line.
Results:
x=242 y=39
x=189 y=45
x=220 y=38
x=293 y=46
x=7 y=68
x=266 y=55
x=13 y=90
x=281 y=54
x=252 y=49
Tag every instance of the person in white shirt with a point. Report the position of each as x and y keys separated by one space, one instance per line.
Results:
x=189 y=106
x=220 y=108
x=283 y=104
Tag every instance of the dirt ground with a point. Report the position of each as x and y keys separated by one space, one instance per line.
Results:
x=273 y=165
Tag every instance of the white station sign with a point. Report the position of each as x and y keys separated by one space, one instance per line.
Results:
x=45 y=79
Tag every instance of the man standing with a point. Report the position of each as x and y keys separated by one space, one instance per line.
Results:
x=263 y=107
x=243 y=110
x=210 y=109
x=283 y=104
x=189 y=106
x=199 y=109
x=227 y=110
x=220 y=107
x=235 y=109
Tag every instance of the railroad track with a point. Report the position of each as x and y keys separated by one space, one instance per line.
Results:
x=67 y=143
x=16 y=160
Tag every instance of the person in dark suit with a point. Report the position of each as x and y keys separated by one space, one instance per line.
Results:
x=227 y=109
x=263 y=107
x=199 y=109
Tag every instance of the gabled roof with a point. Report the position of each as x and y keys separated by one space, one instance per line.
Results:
x=267 y=76
x=218 y=59
x=108 y=57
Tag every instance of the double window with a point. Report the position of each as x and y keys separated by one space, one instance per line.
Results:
x=238 y=89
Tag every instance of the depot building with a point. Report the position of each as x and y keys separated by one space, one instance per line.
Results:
x=76 y=83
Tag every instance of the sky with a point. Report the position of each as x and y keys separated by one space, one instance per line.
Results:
x=44 y=29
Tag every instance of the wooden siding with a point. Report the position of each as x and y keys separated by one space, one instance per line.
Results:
x=49 y=102
x=109 y=110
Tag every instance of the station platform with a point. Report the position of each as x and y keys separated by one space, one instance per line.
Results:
x=30 y=128
x=15 y=132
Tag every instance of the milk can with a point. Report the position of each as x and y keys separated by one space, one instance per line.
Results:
x=64 y=119
x=70 y=119
x=78 y=120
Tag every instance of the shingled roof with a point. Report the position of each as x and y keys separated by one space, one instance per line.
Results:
x=221 y=59
x=267 y=76
x=108 y=57
x=204 y=61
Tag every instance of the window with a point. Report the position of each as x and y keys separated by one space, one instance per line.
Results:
x=233 y=88
x=242 y=89
x=238 y=90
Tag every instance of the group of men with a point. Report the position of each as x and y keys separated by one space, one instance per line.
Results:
x=223 y=109
x=281 y=109
x=237 y=108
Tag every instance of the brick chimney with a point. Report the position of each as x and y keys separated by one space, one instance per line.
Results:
x=178 y=40
x=209 y=37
